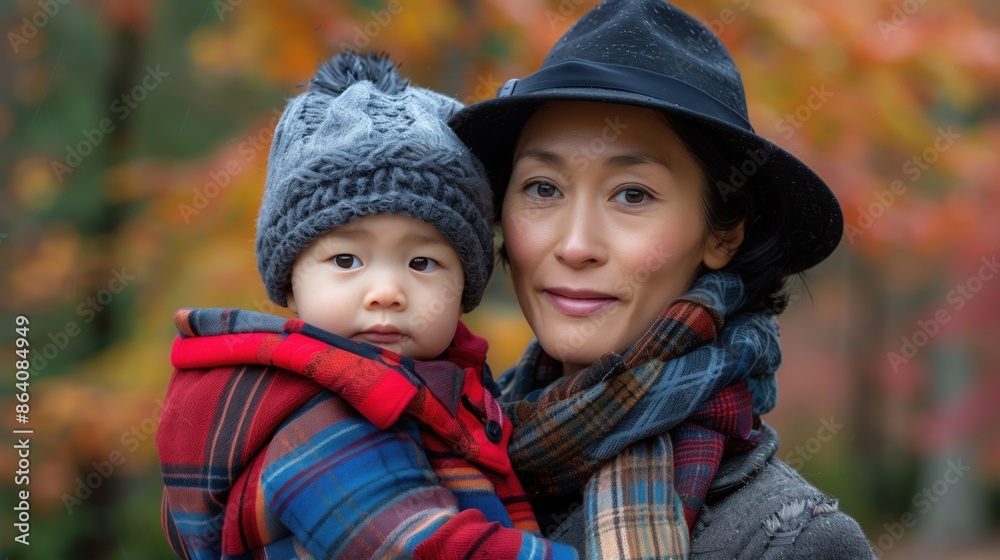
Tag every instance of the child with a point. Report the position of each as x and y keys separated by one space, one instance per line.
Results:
x=361 y=429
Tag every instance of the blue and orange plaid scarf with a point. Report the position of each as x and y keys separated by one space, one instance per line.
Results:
x=642 y=434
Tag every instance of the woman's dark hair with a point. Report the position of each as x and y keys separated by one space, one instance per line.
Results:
x=761 y=260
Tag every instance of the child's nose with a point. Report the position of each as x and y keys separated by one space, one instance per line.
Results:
x=386 y=293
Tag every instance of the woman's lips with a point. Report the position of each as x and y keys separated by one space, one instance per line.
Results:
x=578 y=304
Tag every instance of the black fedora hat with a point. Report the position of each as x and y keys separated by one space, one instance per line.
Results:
x=651 y=54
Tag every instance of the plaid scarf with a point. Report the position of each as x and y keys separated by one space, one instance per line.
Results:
x=642 y=434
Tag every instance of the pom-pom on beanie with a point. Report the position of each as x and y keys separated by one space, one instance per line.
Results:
x=362 y=141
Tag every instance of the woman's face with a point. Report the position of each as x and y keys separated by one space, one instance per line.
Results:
x=604 y=224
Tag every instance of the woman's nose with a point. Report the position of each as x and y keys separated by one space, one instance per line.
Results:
x=385 y=292
x=582 y=243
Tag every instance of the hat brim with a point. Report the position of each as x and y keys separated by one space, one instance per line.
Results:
x=814 y=223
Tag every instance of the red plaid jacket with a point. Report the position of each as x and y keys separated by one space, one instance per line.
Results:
x=281 y=440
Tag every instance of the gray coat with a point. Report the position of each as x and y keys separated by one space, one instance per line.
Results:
x=759 y=507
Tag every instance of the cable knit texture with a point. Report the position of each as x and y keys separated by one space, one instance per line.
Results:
x=363 y=141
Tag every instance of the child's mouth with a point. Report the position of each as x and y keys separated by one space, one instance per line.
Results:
x=381 y=334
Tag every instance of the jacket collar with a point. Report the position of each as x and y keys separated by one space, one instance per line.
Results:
x=735 y=471
x=216 y=337
x=379 y=384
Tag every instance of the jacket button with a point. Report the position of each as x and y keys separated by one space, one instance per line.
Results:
x=494 y=432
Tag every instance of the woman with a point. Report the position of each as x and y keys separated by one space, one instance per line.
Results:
x=649 y=232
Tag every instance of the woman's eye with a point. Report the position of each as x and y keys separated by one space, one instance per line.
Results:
x=632 y=196
x=543 y=190
x=346 y=261
x=423 y=264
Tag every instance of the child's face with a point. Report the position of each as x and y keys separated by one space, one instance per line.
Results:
x=387 y=280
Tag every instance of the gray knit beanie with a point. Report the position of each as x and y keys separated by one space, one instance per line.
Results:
x=362 y=141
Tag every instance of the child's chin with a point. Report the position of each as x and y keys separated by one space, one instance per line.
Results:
x=410 y=350
x=392 y=347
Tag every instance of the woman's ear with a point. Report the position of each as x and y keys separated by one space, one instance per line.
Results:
x=290 y=302
x=720 y=248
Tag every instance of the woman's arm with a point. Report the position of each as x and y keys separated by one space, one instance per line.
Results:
x=345 y=488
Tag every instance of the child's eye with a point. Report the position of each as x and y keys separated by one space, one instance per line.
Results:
x=632 y=195
x=541 y=189
x=346 y=261
x=423 y=264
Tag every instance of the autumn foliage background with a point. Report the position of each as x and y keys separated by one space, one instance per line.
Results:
x=891 y=366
